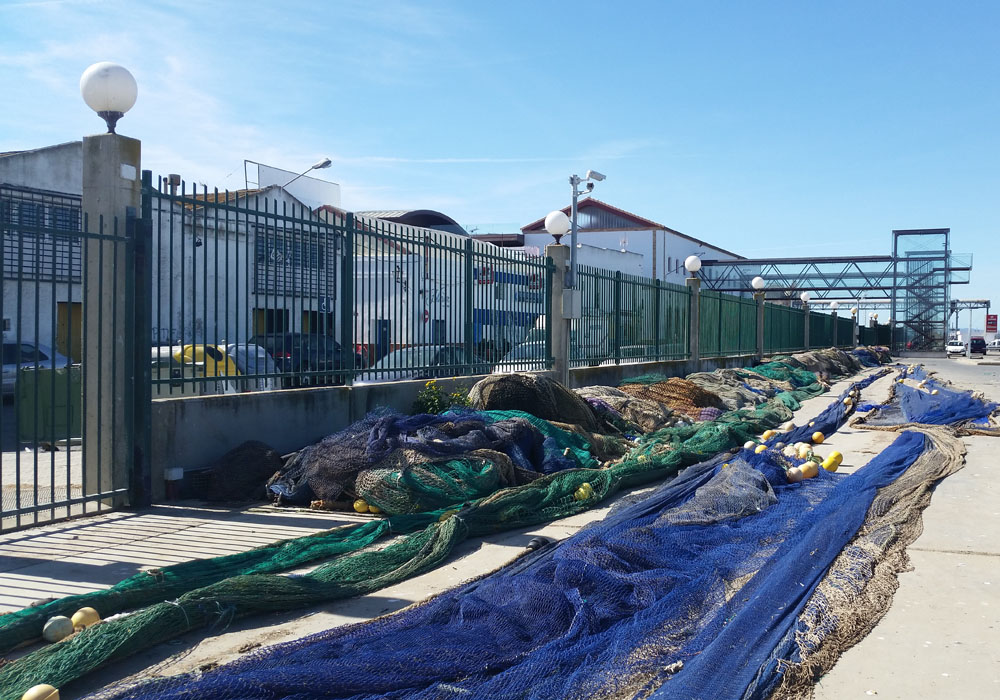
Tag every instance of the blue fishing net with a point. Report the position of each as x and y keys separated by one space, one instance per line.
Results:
x=937 y=403
x=692 y=592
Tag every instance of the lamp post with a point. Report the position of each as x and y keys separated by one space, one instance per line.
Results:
x=758 y=286
x=115 y=389
x=804 y=298
x=325 y=163
x=557 y=231
x=834 y=305
x=110 y=90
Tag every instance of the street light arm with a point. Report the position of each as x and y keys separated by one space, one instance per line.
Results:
x=325 y=163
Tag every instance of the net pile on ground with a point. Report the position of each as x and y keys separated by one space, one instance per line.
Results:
x=679 y=395
x=547 y=498
x=931 y=401
x=645 y=414
x=407 y=464
x=664 y=598
x=731 y=387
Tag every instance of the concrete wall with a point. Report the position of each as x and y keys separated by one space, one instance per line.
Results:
x=193 y=432
x=55 y=168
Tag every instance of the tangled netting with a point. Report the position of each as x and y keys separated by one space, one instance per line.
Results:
x=407 y=464
x=922 y=399
x=679 y=395
x=536 y=394
x=664 y=599
x=646 y=415
x=210 y=592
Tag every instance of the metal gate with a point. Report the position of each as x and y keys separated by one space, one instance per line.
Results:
x=69 y=392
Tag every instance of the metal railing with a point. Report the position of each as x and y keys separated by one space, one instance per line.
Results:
x=59 y=352
x=784 y=328
x=628 y=318
x=728 y=325
x=252 y=290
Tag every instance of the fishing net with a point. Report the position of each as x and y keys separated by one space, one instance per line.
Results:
x=828 y=362
x=931 y=401
x=425 y=452
x=734 y=391
x=533 y=393
x=648 y=415
x=653 y=601
x=858 y=589
x=679 y=395
x=212 y=592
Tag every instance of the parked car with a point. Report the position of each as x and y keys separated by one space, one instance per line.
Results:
x=525 y=357
x=977 y=344
x=424 y=362
x=21 y=356
x=954 y=347
x=309 y=359
x=993 y=345
x=192 y=370
x=252 y=359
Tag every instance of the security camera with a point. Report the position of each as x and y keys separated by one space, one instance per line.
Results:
x=590 y=186
x=594 y=175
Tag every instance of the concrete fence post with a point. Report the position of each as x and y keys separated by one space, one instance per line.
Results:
x=694 y=329
x=759 y=298
x=805 y=324
x=558 y=322
x=111 y=186
x=835 y=324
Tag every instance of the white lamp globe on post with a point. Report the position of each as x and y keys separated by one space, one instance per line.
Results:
x=854 y=311
x=834 y=305
x=557 y=224
x=804 y=297
x=110 y=90
x=692 y=264
x=757 y=283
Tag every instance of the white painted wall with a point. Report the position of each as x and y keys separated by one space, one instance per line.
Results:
x=56 y=168
x=671 y=250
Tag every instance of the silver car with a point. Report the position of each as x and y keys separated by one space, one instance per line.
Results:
x=24 y=355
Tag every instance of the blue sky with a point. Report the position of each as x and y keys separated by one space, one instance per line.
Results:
x=769 y=128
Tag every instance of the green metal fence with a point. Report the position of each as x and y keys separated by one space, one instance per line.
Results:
x=61 y=351
x=845 y=332
x=821 y=329
x=252 y=290
x=728 y=325
x=784 y=328
x=628 y=318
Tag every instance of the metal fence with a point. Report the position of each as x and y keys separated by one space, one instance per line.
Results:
x=628 y=318
x=784 y=328
x=820 y=329
x=728 y=325
x=845 y=332
x=62 y=347
x=252 y=290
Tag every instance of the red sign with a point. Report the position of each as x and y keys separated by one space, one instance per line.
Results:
x=991 y=323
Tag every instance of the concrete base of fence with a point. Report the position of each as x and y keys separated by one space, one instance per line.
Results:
x=193 y=432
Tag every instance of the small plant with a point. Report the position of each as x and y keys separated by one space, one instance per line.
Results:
x=432 y=399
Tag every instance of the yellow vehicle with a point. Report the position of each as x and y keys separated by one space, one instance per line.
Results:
x=185 y=370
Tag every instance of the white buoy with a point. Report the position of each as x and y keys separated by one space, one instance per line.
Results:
x=58 y=627
x=41 y=692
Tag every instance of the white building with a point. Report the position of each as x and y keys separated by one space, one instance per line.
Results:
x=662 y=249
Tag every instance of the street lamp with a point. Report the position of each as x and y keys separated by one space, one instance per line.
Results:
x=692 y=264
x=325 y=163
x=110 y=90
x=575 y=181
x=557 y=224
x=834 y=305
x=757 y=283
x=804 y=297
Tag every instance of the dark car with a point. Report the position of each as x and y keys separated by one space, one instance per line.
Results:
x=977 y=344
x=310 y=359
x=425 y=362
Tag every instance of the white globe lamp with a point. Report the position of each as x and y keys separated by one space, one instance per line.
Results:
x=692 y=263
x=557 y=224
x=757 y=283
x=110 y=90
x=854 y=311
x=804 y=296
x=834 y=305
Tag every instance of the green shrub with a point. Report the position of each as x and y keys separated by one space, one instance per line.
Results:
x=432 y=399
